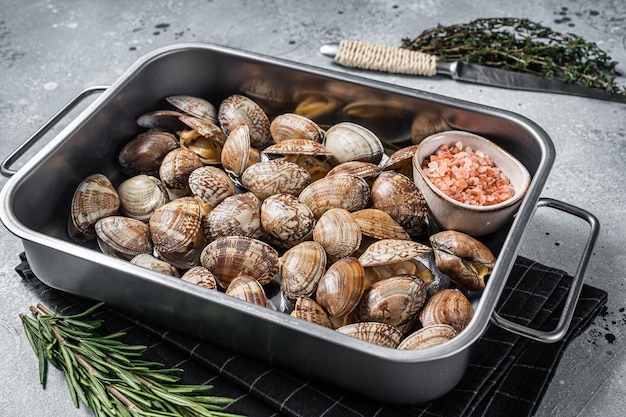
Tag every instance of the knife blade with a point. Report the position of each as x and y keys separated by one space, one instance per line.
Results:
x=363 y=55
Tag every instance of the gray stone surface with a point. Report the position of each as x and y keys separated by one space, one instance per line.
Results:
x=50 y=50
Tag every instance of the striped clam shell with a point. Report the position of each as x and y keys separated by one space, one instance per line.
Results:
x=231 y=256
x=94 y=198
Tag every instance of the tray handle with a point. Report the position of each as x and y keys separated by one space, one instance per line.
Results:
x=572 y=297
x=45 y=128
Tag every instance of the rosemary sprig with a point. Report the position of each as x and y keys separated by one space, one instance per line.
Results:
x=108 y=375
x=521 y=45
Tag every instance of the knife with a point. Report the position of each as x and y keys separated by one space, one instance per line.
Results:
x=357 y=54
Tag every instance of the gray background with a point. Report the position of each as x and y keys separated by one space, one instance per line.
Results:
x=51 y=50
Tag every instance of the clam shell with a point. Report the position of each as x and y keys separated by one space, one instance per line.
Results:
x=201 y=276
x=145 y=152
x=194 y=106
x=148 y=261
x=402 y=160
x=301 y=268
x=176 y=230
x=94 y=198
x=237 y=215
x=338 y=191
x=211 y=185
x=236 y=151
x=397 y=195
x=247 y=289
x=123 y=237
x=275 y=177
x=297 y=147
x=207 y=129
x=176 y=167
x=231 y=256
x=374 y=332
x=286 y=219
x=141 y=195
x=161 y=120
x=356 y=168
x=307 y=309
x=341 y=287
x=394 y=301
x=294 y=126
x=390 y=251
x=448 y=306
x=352 y=142
x=379 y=225
x=338 y=233
x=427 y=337
x=463 y=258
x=236 y=110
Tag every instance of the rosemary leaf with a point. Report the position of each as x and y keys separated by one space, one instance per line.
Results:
x=109 y=376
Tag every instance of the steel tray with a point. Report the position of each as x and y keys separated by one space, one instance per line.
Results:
x=36 y=200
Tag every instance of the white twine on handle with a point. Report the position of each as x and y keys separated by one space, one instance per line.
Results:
x=357 y=54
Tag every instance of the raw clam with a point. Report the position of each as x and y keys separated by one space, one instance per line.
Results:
x=177 y=233
x=374 y=332
x=194 y=106
x=237 y=215
x=297 y=147
x=294 y=126
x=301 y=268
x=338 y=191
x=338 y=233
x=402 y=160
x=231 y=256
x=307 y=309
x=391 y=251
x=123 y=237
x=286 y=220
x=247 y=289
x=341 y=287
x=379 y=224
x=236 y=110
x=428 y=336
x=397 y=195
x=356 y=168
x=176 y=167
x=395 y=301
x=208 y=130
x=448 y=306
x=235 y=156
x=463 y=258
x=275 y=177
x=141 y=195
x=210 y=185
x=201 y=276
x=145 y=152
x=94 y=198
x=148 y=261
x=161 y=120
x=352 y=142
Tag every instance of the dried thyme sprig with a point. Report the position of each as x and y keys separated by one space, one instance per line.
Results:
x=108 y=375
x=521 y=45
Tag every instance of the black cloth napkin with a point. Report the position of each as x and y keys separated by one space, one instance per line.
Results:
x=507 y=374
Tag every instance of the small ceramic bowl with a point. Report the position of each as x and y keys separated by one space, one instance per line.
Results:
x=454 y=215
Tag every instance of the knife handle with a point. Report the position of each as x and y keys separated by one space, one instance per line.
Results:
x=357 y=54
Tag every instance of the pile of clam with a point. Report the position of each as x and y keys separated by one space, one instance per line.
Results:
x=233 y=201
